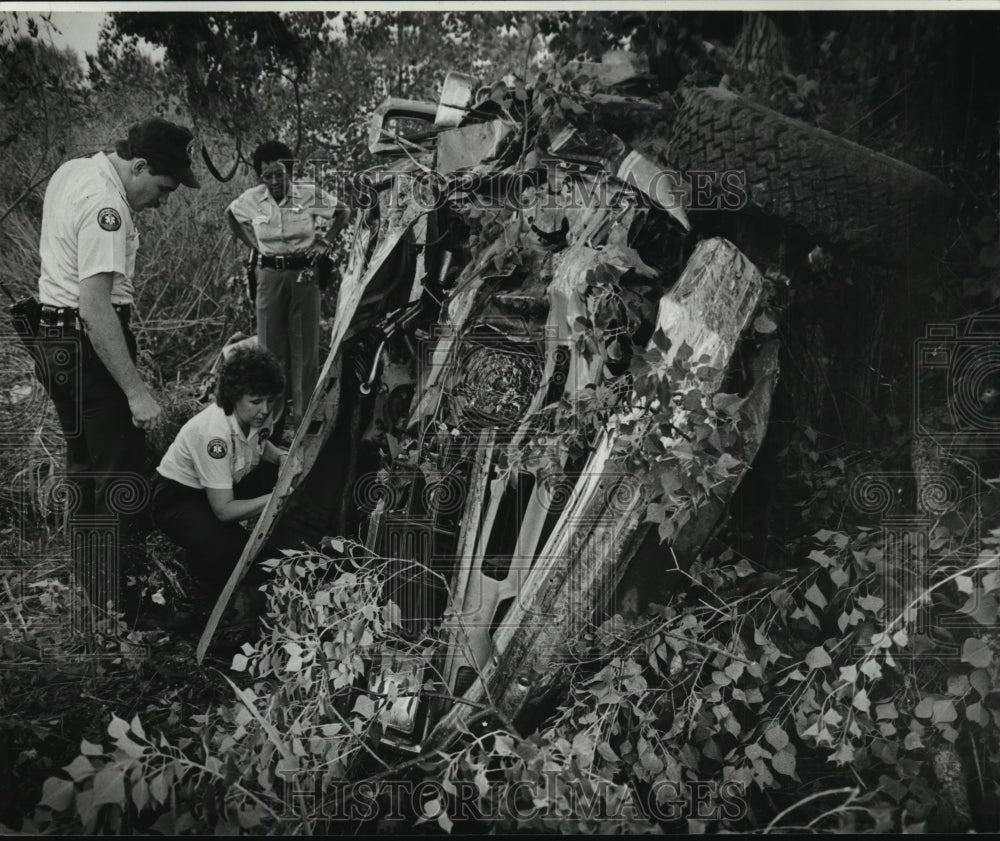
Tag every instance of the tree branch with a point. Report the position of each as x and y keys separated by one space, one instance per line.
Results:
x=27 y=190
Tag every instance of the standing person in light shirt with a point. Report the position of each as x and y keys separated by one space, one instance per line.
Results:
x=86 y=350
x=277 y=218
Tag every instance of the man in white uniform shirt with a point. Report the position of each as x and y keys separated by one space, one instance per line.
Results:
x=87 y=351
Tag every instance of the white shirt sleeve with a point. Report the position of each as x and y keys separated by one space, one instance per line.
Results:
x=212 y=459
x=243 y=208
x=103 y=238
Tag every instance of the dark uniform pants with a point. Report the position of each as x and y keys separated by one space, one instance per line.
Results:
x=106 y=488
x=288 y=326
x=185 y=516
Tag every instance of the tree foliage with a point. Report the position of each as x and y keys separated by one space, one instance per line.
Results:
x=41 y=89
x=223 y=58
x=311 y=78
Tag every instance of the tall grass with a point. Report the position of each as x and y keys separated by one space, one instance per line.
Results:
x=185 y=306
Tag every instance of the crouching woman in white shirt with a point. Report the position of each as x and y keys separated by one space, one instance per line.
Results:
x=221 y=468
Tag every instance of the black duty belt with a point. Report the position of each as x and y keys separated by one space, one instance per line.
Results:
x=68 y=318
x=285 y=261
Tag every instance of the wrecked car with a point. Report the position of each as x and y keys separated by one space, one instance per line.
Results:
x=540 y=380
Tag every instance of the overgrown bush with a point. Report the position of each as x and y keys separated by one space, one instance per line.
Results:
x=837 y=695
x=300 y=716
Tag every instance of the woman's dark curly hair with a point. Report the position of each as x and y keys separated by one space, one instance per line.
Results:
x=249 y=370
x=270 y=151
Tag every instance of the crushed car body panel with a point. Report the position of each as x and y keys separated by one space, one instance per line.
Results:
x=441 y=433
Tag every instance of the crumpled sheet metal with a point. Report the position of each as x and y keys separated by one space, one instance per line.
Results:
x=584 y=551
x=712 y=302
x=464 y=148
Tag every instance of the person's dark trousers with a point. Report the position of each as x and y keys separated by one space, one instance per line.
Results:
x=288 y=325
x=106 y=489
x=213 y=547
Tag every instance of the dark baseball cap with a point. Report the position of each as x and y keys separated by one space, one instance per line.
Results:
x=165 y=146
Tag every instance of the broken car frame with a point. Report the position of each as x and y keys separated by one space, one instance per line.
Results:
x=425 y=435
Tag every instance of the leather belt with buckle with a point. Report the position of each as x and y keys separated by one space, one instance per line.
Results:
x=285 y=261
x=68 y=318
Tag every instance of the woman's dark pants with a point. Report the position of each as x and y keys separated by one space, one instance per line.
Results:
x=185 y=516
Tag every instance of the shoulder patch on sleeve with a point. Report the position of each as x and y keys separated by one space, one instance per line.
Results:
x=109 y=219
x=217 y=448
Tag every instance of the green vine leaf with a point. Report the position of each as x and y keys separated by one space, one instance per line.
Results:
x=776 y=737
x=159 y=788
x=976 y=653
x=57 y=794
x=861 y=701
x=604 y=749
x=85 y=808
x=140 y=793
x=784 y=763
x=109 y=786
x=944 y=711
x=818 y=658
x=978 y=714
x=80 y=769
